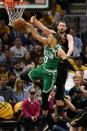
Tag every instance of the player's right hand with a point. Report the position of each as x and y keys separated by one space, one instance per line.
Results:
x=32 y=20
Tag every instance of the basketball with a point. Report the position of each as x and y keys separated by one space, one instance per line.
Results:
x=19 y=24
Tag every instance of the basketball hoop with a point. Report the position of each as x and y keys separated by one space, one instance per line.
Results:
x=15 y=10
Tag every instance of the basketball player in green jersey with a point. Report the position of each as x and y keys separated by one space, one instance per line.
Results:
x=47 y=72
x=67 y=44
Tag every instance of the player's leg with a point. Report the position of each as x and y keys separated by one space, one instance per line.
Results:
x=60 y=81
x=32 y=75
x=48 y=83
x=61 y=78
x=72 y=129
x=80 y=119
x=36 y=74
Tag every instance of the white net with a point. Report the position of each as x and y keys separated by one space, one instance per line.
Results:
x=13 y=12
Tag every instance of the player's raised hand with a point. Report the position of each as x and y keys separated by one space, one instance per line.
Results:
x=33 y=19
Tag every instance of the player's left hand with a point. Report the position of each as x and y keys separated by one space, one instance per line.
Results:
x=32 y=20
x=60 y=103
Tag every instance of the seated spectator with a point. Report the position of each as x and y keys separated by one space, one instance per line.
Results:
x=2 y=99
x=6 y=91
x=18 y=50
x=46 y=20
x=7 y=43
x=6 y=111
x=31 y=111
x=79 y=64
x=2 y=55
x=60 y=7
x=9 y=59
x=77 y=81
x=3 y=70
x=54 y=14
x=27 y=59
x=37 y=52
x=77 y=42
x=36 y=61
x=24 y=38
x=19 y=92
x=11 y=79
x=38 y=91
x=17 y=68
x=3 y=27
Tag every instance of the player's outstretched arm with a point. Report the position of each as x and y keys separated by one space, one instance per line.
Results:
x=63 y=55
x=70 y=45
x=36 y=35
x=36 y=22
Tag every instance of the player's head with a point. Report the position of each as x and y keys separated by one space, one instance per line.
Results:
x=52 y=38
x=62 y=26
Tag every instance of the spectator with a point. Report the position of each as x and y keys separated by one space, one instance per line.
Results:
x=18 y=50
x=31 y=111
x=6 y=91
x=11 y=79
x=38 y=51
x=6 y=39
x=17 y=68
x=77 y=81
x=79 y=64
x=2 y=56
x=9 y=59
x=3 y=27
x=77 y=42
x=3 y=70
x=24 y=39
x=27 y=59
x=2 y=99
x=46 y=20
x=54 y=14
x=19 y=92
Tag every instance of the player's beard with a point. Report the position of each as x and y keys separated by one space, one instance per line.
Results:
x=61 y=31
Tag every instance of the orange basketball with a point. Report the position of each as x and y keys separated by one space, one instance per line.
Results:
x=19 y=24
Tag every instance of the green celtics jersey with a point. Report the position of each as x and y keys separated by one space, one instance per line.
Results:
x=51 y=60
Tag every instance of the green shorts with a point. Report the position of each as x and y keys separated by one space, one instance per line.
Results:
x=47 y=76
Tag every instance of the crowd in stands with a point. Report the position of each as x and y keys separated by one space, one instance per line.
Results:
x=18 y=50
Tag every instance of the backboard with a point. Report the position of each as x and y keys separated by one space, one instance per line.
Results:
x=27 y=4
